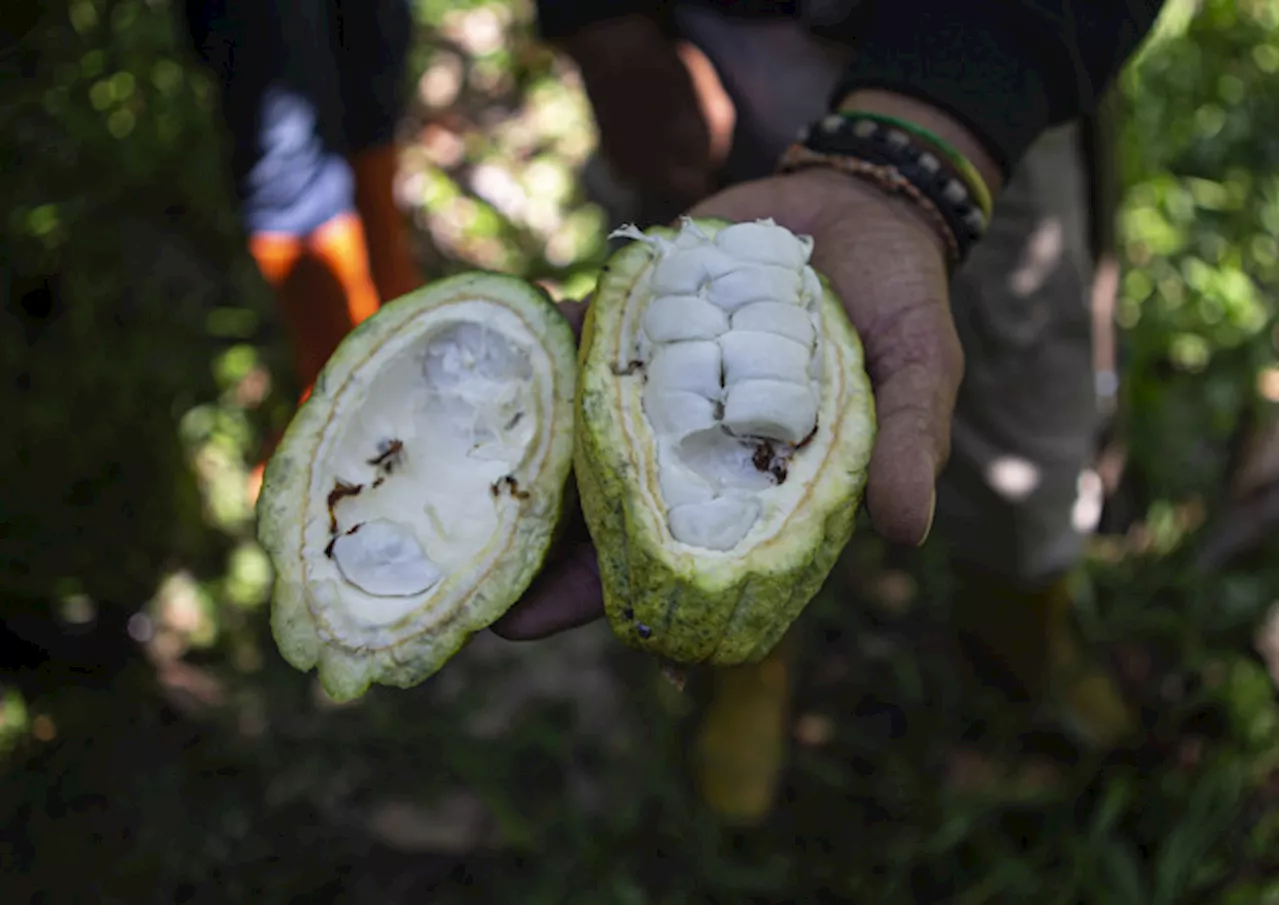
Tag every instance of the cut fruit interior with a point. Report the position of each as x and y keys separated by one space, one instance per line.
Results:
x=725 y=424
x=416 y=492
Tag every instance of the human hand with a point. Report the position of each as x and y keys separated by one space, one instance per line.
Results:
x=665 y=120
x=566 y=593
x=888 y=265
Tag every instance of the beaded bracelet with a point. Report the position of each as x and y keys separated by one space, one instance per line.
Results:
x=965 y=170
x=885 y=176
x=899 y=162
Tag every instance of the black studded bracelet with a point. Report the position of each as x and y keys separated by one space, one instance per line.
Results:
x=900 y=160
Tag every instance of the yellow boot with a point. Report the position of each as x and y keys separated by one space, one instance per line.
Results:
x=741 y=744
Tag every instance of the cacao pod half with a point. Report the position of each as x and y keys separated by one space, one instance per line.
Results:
x=417 y=491
x=724 y=425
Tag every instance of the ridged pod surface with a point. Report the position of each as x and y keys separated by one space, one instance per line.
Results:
x=417 y=491
x=724 y=425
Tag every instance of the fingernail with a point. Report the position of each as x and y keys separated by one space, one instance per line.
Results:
x=928 y=526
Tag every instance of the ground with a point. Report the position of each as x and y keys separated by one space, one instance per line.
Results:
x=157 y=749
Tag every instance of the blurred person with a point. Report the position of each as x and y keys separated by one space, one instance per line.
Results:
x=978 y=344
x=310 y=94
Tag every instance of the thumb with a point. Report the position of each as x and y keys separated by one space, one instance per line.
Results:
x=887 y=268
x=913 y=358
x=892 y=280
x=575 y=312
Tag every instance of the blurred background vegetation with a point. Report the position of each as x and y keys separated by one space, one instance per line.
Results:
x=156 y=749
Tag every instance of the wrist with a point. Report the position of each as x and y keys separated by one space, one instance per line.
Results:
x=936 y=120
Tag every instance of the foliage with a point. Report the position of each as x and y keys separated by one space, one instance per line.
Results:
x=1199 y=234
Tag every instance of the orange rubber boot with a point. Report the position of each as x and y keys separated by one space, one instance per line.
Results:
x=395 y=273
x=323 y=289
x=276 y=255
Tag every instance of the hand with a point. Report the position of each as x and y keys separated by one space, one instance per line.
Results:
x=566 y=593
x=887 y=264
x=665 y=120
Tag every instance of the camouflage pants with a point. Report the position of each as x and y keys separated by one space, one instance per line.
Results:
x=1015 y=498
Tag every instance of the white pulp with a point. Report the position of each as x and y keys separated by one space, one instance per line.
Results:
x=730 y=342
x=436 y=440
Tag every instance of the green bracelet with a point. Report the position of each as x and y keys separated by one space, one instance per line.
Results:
x=977 y=185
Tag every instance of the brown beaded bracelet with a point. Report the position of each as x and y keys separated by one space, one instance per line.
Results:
x=902 y=161
x=884 y=176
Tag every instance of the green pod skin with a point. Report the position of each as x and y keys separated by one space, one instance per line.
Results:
x=310 y=629
x=680 y=603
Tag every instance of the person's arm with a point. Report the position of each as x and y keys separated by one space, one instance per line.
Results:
x=1005 y=70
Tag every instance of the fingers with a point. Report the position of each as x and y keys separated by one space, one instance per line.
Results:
x=894 y=288
x=888 y=269
x=566 y=595
x=915 y=362
x=574 y=313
